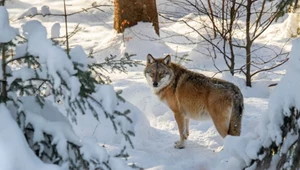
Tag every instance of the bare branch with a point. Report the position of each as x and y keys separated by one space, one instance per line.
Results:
x=63 y=15
x=66 y=27
x=270 y=68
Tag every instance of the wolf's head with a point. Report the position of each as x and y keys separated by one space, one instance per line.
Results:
x=158 y=72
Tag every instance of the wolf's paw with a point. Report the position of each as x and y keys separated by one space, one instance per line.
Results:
x=179 y=145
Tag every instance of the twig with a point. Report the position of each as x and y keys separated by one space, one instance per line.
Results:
x=270 y=68
x=66 y=23
x=63 y=15
x=95 y=129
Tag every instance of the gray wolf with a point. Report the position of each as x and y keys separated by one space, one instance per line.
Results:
x=192 y=95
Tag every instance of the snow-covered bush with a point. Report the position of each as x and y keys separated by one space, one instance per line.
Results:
x=276 y=141
x=42 y=88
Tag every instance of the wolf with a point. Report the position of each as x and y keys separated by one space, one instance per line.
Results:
x=192 y=95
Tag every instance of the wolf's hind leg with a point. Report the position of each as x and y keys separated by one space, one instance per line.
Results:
x=222 y=127
x=221 y=120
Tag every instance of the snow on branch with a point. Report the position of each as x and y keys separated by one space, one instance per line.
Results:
x=46 y=83
x=7 y=32
x=45 y=11
x=45 y=87
x=47 y=124
x=14 y=147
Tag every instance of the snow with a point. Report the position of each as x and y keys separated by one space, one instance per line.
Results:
x=12 y=141
x=55 y=124
x=21 y=50
x=78 y=55
x=291 y=25
x=290 y=139
x=55 y=30
x=75 y=87
x=45 y=10
x=7 y=32
x=24 y=73
x=286 y=93
x=55 y=59
x=89 y=151
x=58 y=126
x=134 y=39
x=30 y=12
x=153 y=122
x=106 y=94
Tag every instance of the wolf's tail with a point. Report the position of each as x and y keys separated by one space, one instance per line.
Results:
x=236 y=116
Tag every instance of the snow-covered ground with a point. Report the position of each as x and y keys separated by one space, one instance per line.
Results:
x=154 y=124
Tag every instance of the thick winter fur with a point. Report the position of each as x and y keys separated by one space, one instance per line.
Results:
x=192 y=95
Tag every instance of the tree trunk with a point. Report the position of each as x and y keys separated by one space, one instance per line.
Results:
x=248 y=43
x=2 y=2
x=130 y=12
x=295 y=5
x=212 y=18
x=3 y=67
x=230 y=31
x=223 y=16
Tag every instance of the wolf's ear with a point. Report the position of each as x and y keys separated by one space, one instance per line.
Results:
x=150 y=59
x=167 y=60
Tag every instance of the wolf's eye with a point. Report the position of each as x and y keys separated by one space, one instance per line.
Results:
x=152 y=74
x=163 y=74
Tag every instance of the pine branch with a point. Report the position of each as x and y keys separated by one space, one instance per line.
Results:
x=26 y=56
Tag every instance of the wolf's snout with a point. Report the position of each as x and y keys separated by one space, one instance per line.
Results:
x=155 y=84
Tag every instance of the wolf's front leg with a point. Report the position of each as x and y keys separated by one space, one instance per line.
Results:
x=181 y=123
x=187 y=125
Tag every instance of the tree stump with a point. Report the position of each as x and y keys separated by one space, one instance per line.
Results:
x=129 y=12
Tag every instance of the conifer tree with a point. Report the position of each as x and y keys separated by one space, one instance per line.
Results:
x=46 y=84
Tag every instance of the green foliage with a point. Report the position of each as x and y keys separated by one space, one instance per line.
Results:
x=182 y=59
x=112 y=64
